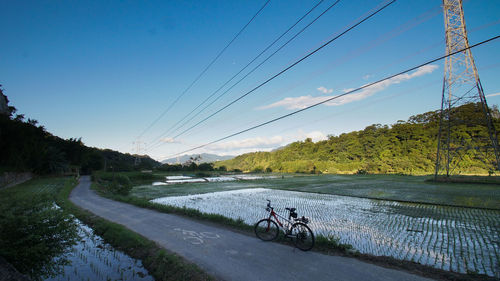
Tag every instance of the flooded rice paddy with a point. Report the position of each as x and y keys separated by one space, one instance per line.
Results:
x=450 y=238
x=189 y=179
x=93 y=259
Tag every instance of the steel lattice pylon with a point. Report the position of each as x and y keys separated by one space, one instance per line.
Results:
x=464 y=111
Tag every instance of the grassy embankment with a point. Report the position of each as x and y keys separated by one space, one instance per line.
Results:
x=162 y=265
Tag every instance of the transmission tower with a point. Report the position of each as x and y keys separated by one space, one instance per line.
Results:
x=464 y=112
x=138 y=148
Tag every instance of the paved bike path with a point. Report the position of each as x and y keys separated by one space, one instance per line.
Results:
x=228 y=255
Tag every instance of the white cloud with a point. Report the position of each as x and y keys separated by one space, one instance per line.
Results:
x=238 y=147
x=305 y=101
x=325 y=90
x=258 y=142
x=493 y=95
x=297 y=102
x=314 y=135
x=169 y=140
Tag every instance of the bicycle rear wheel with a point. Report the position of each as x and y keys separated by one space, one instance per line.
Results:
x=303 y=236
x=266 y=230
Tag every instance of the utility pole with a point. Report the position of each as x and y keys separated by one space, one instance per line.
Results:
x=462 y=88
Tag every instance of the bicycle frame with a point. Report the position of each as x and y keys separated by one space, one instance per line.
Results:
x=275 y=215
x=296 y=229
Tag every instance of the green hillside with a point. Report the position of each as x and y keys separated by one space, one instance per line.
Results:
x=407 y=147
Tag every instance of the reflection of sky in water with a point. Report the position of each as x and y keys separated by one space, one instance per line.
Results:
x=92 y=259
x=451 y=238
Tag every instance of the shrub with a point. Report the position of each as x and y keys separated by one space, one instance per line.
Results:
x=119 y=184
x=361 y=172
x=203 y=174
x=33 y=232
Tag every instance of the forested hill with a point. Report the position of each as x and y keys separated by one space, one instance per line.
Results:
x=27 y=147
x=407 y=147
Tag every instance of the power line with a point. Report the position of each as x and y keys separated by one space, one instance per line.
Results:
x=289 y=67
x=246 y=66
x=339 y=96
x=363 y=49
x=203 y=72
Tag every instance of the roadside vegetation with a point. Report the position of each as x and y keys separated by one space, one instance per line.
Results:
x=33 y=231
x=36 y=226
x=161 y=264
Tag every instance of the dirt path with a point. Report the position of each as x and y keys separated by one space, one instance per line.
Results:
x=229 y=255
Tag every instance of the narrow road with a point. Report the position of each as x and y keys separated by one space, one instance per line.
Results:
x=228 y=255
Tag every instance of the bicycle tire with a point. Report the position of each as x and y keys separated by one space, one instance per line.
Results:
x=303 y=236
x=266 y=230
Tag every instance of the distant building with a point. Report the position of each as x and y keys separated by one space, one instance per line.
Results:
x=4 y=108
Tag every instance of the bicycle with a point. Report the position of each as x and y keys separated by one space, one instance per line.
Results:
x=267 y=229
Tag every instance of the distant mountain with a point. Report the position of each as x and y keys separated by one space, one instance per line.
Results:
x=204 y=158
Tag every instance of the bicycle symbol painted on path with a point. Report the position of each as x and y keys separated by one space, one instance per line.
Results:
x=196 y=238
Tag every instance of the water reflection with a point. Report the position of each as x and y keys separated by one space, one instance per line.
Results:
x=92 y=259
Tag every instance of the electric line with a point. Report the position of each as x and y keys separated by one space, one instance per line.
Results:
x=203 y=72
x=248 y=64
x=259 y=65
x=363 y=49
x=290 y=66
x=339 y=96
x=250 y=72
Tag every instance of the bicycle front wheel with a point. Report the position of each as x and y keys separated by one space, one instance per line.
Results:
x=266 y=230
x=303 y=236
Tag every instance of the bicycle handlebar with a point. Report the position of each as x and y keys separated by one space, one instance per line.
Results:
x=292 y=213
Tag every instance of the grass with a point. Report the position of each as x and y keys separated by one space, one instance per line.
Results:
x=160 y=263
x=32 y=232
x=468 y=179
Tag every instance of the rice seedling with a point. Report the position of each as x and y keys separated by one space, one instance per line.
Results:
x=92 y=259
x=450 y=238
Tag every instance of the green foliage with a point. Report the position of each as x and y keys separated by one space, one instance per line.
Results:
x=189 y=166
x=134 y=177
x=331 y=242
x=114 y=183
x=407 y=147
x=26 y=146
x=33 y=232
x=162 y=265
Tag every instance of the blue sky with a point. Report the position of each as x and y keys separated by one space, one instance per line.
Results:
x=105 y=70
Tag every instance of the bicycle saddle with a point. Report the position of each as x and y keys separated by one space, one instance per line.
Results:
x=290 y=209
